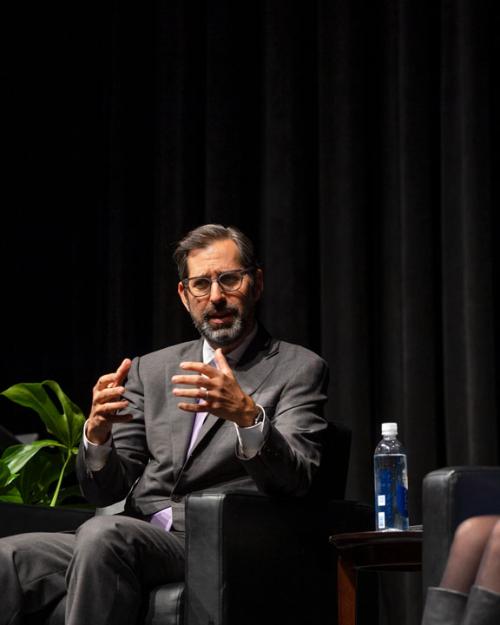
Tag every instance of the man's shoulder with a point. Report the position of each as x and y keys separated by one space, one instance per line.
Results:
x=177 y=351
x=300 y=366
x=295 y=350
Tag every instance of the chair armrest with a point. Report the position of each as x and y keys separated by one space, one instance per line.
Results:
x=451 y=495
x=252 y=559
x=346 y=515
x=17 y=518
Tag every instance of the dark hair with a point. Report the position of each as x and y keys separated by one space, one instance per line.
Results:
x=203 y=236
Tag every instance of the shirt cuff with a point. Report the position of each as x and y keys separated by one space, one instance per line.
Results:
x=251 y=439
x=95 y=455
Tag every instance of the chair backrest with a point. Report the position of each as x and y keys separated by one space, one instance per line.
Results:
x=330 y=481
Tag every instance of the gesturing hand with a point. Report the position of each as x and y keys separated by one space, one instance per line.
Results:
x=217 y=391
x=106 y=400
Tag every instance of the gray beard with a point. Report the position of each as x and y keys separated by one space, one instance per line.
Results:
x=221 y=336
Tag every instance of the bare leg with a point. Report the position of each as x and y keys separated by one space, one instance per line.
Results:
x=483 y=605
x=489 y=570
x=471 y=540
x=473 y=561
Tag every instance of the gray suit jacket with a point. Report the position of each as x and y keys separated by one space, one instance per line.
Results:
x=147 y=463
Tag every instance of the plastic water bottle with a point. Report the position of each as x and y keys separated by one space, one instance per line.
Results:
x=391 y=481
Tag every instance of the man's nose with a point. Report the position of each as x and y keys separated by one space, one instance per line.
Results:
x=216 y=293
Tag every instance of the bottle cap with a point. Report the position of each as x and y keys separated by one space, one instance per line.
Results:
x=389 y=429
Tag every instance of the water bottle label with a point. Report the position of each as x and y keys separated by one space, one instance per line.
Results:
x=381 y=500
x=381 y=520
x=402 y=499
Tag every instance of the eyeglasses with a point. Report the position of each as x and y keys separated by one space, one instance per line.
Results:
x=228 y=281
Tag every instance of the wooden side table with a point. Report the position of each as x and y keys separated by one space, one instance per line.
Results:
x=371 y=551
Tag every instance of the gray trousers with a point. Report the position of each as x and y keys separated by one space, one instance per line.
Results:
x=104 y=569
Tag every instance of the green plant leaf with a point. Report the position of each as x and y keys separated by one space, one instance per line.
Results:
x=37 y=472
x=6 y=476
x=72 y=414
x=67 y=425
x=11 y=496
x=17 y=456
x=71 y=491
x=33 y=395
x=8 y=492
x=38 y=476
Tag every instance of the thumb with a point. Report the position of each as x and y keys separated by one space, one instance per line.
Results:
x=122 y=371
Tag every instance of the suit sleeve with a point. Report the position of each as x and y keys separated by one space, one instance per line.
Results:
x=291 y=454
x=128 y=455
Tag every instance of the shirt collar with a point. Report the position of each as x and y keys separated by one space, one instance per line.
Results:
x=235 y=355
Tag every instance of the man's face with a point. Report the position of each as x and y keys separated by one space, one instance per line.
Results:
x=223 y=318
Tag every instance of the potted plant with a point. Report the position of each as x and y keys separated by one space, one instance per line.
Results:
x=37 y=479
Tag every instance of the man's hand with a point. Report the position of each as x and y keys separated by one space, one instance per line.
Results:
x=217 y=390
x=106 y=401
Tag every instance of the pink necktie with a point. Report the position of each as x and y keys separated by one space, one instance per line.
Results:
x=199 y=419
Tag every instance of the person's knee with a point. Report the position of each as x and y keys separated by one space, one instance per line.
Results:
x=470 y=531
x=15 y=549
x=494 y=541
x=465 y=532
x=98 y=535
x=7 y=551
x=474 y=533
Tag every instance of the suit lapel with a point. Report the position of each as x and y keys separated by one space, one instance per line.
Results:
x=256 y=364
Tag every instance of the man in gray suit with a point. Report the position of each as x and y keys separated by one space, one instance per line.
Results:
x=236 y=407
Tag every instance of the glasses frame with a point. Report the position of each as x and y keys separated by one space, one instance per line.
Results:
x=241 y=272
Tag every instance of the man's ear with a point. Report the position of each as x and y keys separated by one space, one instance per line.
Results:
x=258 y=285
x=182 y=294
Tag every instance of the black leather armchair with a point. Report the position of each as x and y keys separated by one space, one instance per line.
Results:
x=252 y=559
x=258 y=559
x=451 y=495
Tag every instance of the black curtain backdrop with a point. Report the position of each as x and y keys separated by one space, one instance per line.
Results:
x=355 y=142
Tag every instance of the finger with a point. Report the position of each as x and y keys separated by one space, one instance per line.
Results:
x=189 y=407
x=122 y=371
x=109 y=380
x=222 y=362
x=194 y=393
x=120 y=418
x=110 y=407
x=105 y=381
x=200 y=367
x=114 y=418
x=193 y=380
x=110 y=393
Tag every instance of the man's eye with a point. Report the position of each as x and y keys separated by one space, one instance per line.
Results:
x=229 y=279
x=200 y=284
